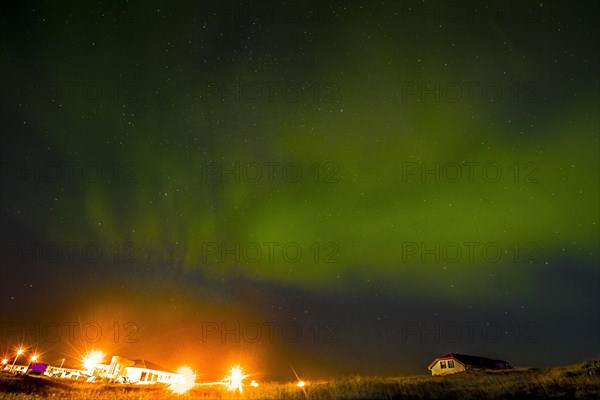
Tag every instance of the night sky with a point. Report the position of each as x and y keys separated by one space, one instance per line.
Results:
x=327 y=187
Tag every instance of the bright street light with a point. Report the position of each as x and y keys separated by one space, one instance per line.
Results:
x=92 y=359
x=19 y=352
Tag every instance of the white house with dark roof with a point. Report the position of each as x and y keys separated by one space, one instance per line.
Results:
x=140 y=371
x=454 y=362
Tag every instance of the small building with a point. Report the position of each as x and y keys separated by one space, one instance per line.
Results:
x=65 y=372
x=101 y=370
x=117 y=367
x=17 y=368
x=139 y=372
x=146 y=372
x=454 y=362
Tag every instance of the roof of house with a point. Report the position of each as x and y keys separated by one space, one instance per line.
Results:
x=473 y=361
x=149 y=365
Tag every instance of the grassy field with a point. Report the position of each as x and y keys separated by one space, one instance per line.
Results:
x=573 y=382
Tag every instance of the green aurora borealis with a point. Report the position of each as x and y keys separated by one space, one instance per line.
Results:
x=170 y=126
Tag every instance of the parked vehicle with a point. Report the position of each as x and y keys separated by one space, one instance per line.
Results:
x=36 y=369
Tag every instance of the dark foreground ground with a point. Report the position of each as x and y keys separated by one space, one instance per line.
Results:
x=571 y=382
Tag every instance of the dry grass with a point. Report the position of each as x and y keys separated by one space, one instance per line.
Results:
x=573 y=382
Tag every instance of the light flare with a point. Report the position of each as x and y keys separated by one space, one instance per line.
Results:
x=235 y=380
x=92 y=359
x=186 y=380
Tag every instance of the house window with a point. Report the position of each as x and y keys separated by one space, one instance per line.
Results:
x=442 y=364
x=450 y=363
x=142 y=376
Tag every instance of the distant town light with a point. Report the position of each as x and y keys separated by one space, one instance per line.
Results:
x=254 y=383
x=92 y=359
x=19 y=352
x=186 y=380
x=301 y=384
x=235 y=379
